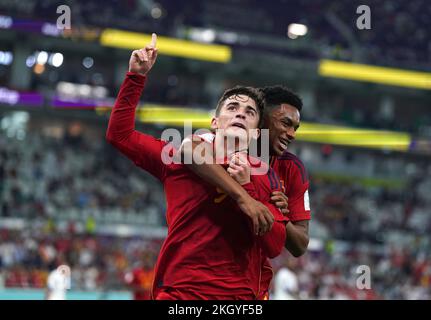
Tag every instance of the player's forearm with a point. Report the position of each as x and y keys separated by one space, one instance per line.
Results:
x=212 y=173
x=122 y=120
x=296 y=239
x=217 y=176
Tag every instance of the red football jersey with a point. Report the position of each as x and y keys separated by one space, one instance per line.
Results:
x=295 y=184
x=210 y=250
x=294 y=179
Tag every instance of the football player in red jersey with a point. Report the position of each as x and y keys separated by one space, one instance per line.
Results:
x=212 y=250
x=282 y=118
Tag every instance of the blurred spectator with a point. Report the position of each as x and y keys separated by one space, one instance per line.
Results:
x=140 y=278
x=285 y=285
x=58 y=283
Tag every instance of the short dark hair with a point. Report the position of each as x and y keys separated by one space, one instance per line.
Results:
x=277 y=95
x=253 y=93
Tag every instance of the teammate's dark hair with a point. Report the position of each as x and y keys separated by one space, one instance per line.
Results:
x=253 y=93
x=276 y=95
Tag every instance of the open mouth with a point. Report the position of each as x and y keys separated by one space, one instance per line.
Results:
x=239 y=125
x=284 y=143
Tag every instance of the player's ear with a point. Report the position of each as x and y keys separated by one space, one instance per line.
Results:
x=214 y=123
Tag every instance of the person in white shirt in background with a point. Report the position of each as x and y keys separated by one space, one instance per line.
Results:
x=2 y=279
x=58 y=282
x=285 y=285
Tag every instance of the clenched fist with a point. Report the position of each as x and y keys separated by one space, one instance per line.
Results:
x=239 y=168
x=142 y=60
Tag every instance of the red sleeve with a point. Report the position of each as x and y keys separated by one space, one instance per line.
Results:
x=299 y=202
x=144 y=150
x=273 y=241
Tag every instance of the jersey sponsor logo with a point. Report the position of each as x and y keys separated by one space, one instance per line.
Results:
x=306 y=201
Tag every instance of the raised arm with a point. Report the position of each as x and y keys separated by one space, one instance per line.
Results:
x=144 y=150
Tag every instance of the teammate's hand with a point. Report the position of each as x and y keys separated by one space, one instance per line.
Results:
x=259 y=214
x=281 y=201
x=239 y=168
x=142 y=60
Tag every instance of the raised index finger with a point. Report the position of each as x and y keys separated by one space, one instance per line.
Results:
x=153 y=40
